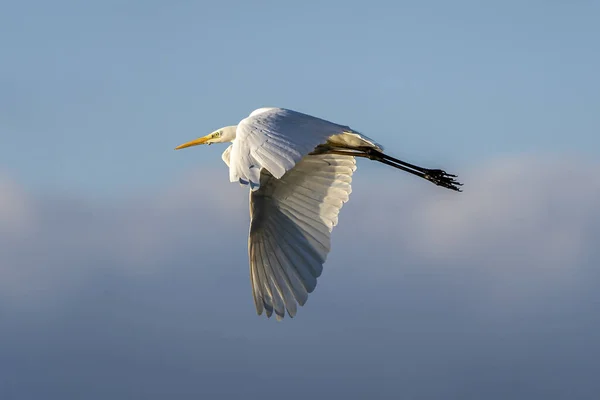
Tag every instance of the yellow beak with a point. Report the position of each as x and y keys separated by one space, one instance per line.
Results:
x=194 y=142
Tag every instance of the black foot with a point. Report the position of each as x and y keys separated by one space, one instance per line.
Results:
x=441 y=178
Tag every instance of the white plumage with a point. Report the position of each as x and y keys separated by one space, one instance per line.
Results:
x=291 y=222
x=299 y=169
x=276 y=139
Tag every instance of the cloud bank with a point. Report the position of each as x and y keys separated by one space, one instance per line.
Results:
x=427 y=294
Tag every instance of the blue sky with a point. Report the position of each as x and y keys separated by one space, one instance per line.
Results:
x=123 y=263
x=95 y=95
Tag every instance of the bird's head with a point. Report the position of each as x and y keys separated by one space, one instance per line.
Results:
x=223 y=135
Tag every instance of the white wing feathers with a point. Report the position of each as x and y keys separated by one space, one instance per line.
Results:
x=275 y=139
x=291 y=221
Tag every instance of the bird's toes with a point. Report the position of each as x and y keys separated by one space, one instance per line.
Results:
x=444 y=179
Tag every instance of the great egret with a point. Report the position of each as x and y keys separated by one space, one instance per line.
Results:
x=299 y=169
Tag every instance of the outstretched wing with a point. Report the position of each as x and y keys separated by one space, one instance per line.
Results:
x=291 y=222
x=275 y=139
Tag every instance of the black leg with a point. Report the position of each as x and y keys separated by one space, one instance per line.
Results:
x=436 y=176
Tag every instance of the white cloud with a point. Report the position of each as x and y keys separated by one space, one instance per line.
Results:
x=417 y=275
x=15 y=211
x=516 y=216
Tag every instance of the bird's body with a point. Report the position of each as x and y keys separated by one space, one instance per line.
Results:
x=346 y=137
x=299 y=169
x=276 y=139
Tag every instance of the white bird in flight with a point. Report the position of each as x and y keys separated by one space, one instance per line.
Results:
x=299 y=169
